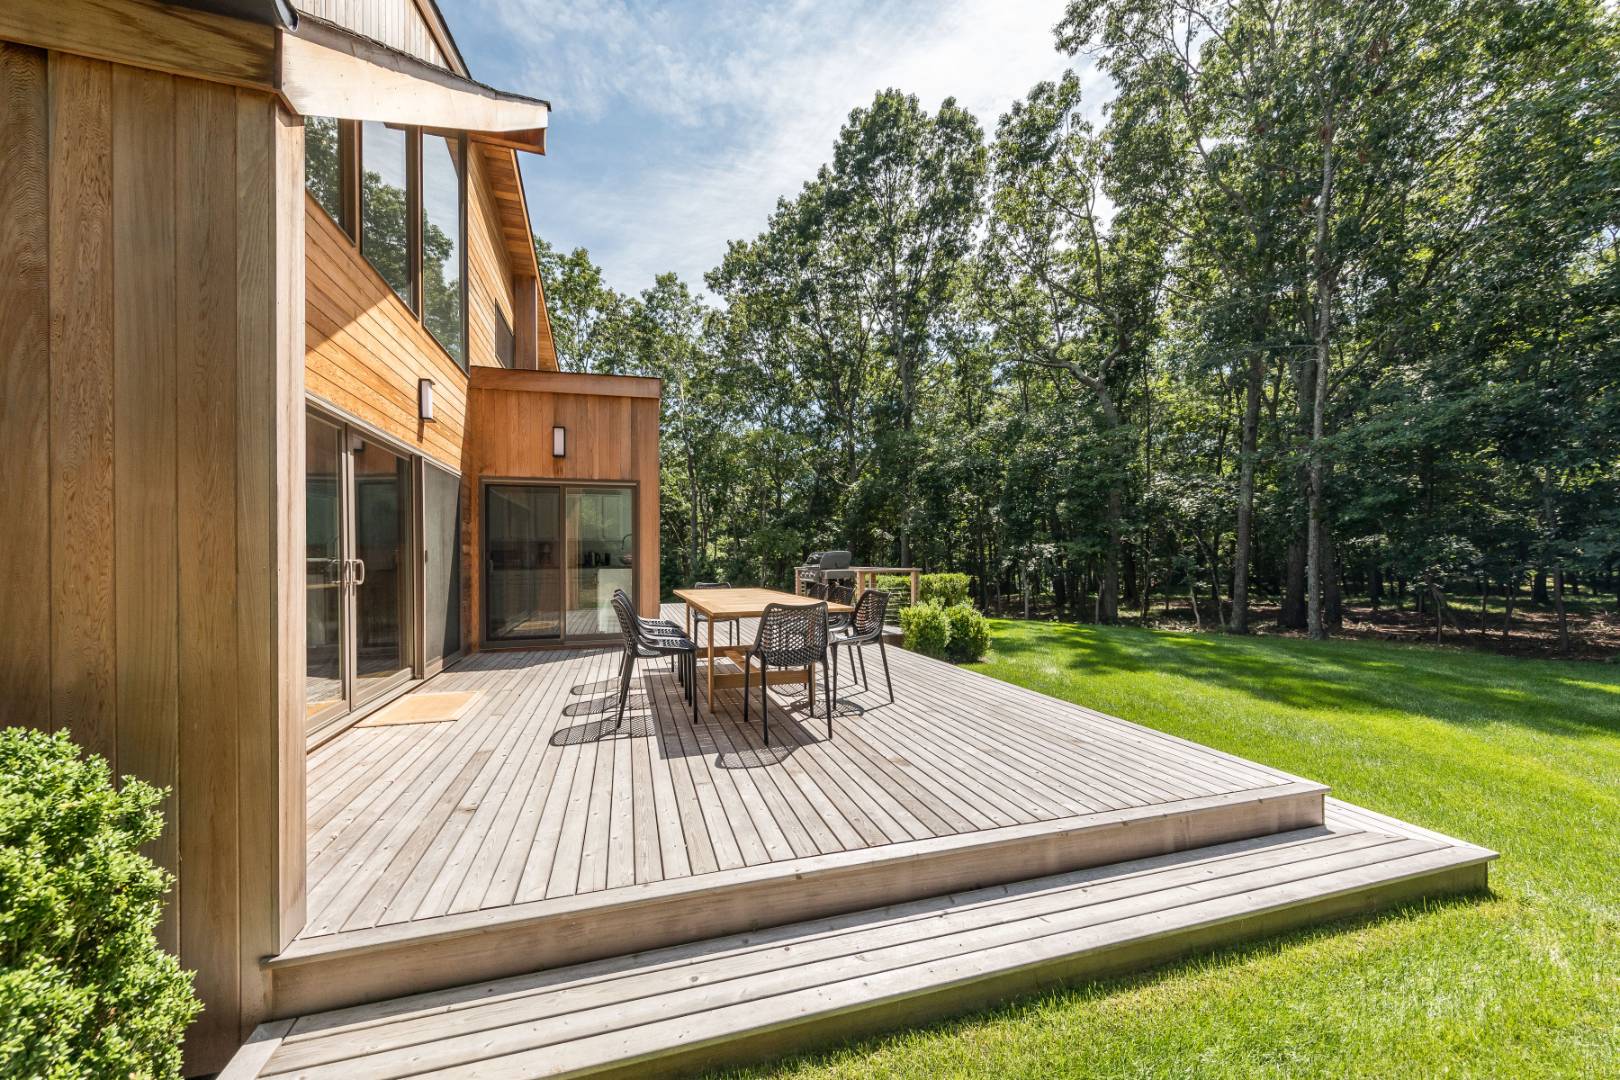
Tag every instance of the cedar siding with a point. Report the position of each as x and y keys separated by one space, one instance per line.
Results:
x=147 y=224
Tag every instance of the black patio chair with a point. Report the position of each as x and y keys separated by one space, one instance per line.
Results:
x=839 y=592
x=865 y=627
x=639 y=644
x=698 y=618
x=656 y=627
x=790 y=636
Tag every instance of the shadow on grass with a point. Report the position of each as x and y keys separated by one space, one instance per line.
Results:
x=1454 y=688
x=1025 y=1007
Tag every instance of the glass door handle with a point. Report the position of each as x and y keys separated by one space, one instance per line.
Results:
x=359 y=565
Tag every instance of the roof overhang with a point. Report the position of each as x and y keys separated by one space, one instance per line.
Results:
x=324 y=70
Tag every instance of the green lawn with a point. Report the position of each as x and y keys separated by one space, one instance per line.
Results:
x=1522 y=756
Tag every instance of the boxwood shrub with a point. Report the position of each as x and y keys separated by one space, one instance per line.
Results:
x=85 y=991
x=970 y=633
x=926 y=629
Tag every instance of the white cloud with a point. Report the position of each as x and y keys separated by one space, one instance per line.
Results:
x=737 y=104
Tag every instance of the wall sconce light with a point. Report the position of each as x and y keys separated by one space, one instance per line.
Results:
x=559 y=442
x=424 y=400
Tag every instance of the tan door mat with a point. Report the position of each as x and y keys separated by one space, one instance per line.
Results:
x=423 y=709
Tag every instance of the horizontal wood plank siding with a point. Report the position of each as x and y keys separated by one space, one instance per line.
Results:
x=489 y=275
x=365 y=350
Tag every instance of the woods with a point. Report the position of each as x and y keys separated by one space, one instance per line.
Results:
x=1324 y=303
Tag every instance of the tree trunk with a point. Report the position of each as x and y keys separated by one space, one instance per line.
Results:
x=1538 y=591
x=1108 y=588
x=1245 y=500
x=1507 y=619
x=1292 y=615
x=1558 y=601
x=1315 y=533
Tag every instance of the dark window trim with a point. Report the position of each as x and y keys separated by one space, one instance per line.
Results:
x=561 y=485
x=459 y=139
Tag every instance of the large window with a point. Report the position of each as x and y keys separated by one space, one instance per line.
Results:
x=385 y=204
x=443 y=298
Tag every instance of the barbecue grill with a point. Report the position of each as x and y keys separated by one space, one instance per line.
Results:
x=823 y=569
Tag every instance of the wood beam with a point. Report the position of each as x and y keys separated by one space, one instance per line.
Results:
x=326 y=72
x=148 y=34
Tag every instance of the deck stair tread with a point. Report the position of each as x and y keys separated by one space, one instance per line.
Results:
x=769 y=990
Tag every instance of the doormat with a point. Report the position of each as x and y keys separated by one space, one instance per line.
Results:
x=423 y=709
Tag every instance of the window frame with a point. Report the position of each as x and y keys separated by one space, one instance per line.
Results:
x=413 y=197
x=351 y=162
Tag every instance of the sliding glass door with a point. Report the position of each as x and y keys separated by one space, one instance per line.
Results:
x=357 y=569
x=553 y=555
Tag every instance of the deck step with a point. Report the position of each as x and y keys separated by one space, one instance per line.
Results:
x=338 y=970
x=759 y=994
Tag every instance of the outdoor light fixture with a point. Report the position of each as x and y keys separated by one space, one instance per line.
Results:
x=424 y=400
x=559 y=442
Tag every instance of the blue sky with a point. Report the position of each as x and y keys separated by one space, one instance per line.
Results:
x=676 y=126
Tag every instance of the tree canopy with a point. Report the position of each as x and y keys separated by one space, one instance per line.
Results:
x=1325 y=302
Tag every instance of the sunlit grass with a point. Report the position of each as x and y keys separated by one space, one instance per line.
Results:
x=1519 y=755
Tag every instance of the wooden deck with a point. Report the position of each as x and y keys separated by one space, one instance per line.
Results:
x=533 y=795
x=528 y=833
x=748 y=996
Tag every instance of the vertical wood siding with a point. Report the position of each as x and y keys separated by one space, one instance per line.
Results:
x=396 y=23
x=151 y=327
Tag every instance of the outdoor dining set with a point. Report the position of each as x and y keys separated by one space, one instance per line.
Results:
x=795 y=635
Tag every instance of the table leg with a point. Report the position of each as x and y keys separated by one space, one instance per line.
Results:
x=711 y=666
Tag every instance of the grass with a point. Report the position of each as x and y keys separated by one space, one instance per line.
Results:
x=1522 y=756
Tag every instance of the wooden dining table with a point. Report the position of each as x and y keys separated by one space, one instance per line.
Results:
x=731 y=605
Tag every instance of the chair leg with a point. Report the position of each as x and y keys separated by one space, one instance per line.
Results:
x=691 y=682
x=860 y=651
x=764 y=699
x=834 y=652
x=826 y=693
x=626 y=672
x=748 y=673
x=883 y=652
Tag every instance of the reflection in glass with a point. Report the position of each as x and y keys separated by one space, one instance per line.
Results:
x=601 y=549
x=384 y=238
x=323 y=567
x=381 y=532
x=522 y=549
x=323 y=168
x=441 y=243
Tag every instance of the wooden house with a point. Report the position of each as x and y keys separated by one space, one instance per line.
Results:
x=283 y=439
x=280 y=416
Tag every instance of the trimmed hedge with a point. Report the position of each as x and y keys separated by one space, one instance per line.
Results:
x=85 y=991
x=958 y=632
x=946 y=589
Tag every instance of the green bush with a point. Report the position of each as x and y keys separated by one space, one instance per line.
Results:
x=948 y=589
x=970 y=633
x=926 y=628
x=85 y=991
